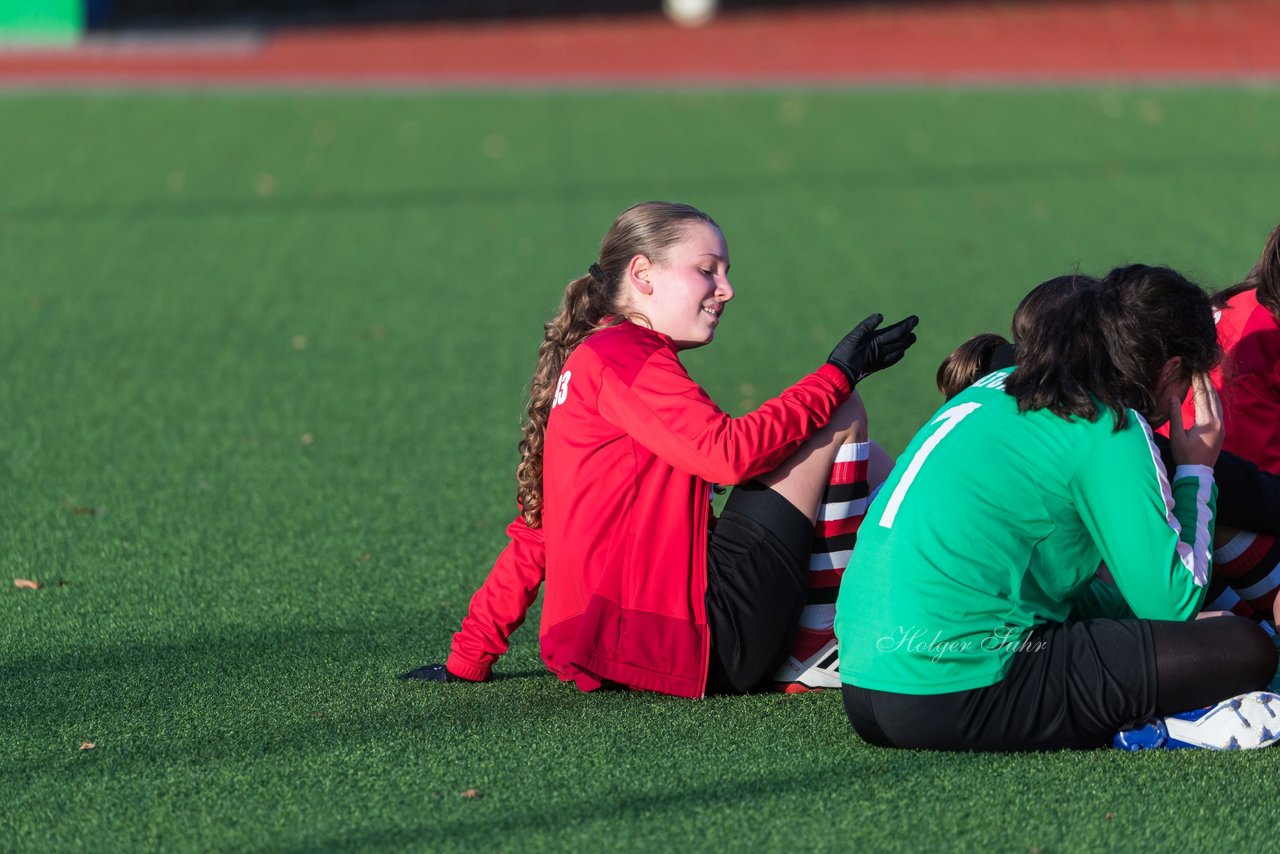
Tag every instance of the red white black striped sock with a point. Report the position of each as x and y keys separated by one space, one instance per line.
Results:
x=844 y=503
x=1246 y=575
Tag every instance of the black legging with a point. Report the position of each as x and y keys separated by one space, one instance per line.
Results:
x=757 y=585
x=1075 y=685
x=1204 y=661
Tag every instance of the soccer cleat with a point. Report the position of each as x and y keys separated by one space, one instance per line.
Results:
x=820 y=670
x=1149 y=736
x=1245 y=722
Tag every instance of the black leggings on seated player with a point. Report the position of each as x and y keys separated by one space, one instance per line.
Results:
x=1074 y=685
x=757 y=567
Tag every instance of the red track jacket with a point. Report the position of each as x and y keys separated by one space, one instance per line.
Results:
x=632 y=447
x=1248 y=380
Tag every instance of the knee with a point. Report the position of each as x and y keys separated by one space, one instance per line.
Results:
x=1257 y=651
x=1268 y=655
x=850 y=420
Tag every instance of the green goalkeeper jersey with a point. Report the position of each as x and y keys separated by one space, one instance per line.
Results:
x=994 y=522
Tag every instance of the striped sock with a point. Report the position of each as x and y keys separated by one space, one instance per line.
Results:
x=1246 y=575
x=844 y=503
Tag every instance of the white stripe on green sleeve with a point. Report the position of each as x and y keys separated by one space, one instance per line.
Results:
x=1196 y=537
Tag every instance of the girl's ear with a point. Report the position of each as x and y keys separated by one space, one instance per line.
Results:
x=1172 y=372
x=639 y=273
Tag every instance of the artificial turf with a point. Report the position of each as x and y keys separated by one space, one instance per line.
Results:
x=263 y=366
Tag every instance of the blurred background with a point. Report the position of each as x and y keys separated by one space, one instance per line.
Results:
x=620 y=42
x=62 y=20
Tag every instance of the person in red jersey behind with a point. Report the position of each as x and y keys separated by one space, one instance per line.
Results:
x=1248 y=380
x=1246 y=577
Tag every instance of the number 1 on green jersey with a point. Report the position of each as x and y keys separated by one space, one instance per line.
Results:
x=948 y=419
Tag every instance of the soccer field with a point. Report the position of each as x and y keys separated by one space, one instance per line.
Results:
x=264 y=365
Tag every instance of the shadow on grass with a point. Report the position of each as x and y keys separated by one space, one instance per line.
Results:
x=909 y=176
x=211 y=698
x=300 y=707
x=496 y=676
x=670 y=809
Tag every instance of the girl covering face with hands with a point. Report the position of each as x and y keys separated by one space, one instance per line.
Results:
x=972 y=617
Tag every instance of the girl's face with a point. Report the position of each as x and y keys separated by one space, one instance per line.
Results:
x=683 y=297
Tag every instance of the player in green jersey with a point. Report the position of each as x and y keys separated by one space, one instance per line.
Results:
x=959 y=617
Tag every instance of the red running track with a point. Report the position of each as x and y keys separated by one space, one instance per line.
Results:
x=1181 y=40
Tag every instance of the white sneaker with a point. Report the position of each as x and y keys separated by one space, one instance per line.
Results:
x=1240 y=723
x=820 y=670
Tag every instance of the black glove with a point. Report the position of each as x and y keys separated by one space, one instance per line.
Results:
x=434 y=673
x=866 y=349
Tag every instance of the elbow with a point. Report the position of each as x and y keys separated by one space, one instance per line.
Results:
x=1178 y=610
x=729 y=472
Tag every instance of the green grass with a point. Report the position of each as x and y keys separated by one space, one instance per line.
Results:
x=192 y=284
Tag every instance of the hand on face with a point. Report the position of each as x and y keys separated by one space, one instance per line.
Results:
x=1200 y=443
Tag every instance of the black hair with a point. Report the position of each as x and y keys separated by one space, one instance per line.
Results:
x=1055 y=371
x=1048 y=300
x=1103 y=344
x=987 y=351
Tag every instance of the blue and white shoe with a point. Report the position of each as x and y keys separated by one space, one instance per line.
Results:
x=1241 y=723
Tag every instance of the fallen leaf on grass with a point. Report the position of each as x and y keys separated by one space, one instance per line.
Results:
x=265 y=184
x=87 y=745
x=470 y=793
x=307 y=439
x=26 y=584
